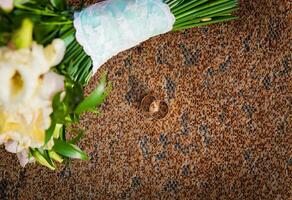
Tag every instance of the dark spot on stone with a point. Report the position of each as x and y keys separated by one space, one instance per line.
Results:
x=119 y=72
x=186 y=33
x=186 y=170
x=223 y=66
x=210 y=72
x=222 y=117
x=65 y=172
x=177 y=146
x=185 y=150
x=248 y=109
x=274 y=28
x=204 y=132
x=280 y=129
x=129 y=97
x=136 y=182
x=163 y=55
x=160 y=59
x=163 y=139
x=185 y=123
x=144 y=146
x=128 y=62
x=286 y=62
x=139 y=49
x=247 y=155
x=171 y=186
x=267 y=82
x=206 y=84
x=204 y=185
x=3 y=189
x=125 y=194
x=136 y=92
x=206 y=140
x=246 y=43
x=191 y=58
x=170 y=87
x=161 y=156
x=241 y=93
x=251 y=126
x=203 y=129
x=91 y=155
x=205 y=30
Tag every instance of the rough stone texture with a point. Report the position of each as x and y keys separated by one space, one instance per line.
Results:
x=228 y=134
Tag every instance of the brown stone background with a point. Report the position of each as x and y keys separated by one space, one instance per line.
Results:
x=228 y=134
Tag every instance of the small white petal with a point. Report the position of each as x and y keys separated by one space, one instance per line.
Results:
x=23 y=157
x=52 y=83
x=6 y=5
x=11 y=146
x=55 y=52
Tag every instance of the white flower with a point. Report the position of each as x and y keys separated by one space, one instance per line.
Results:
x=27 y=87
x=6 y=5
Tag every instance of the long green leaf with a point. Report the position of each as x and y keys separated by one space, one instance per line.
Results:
x=41 y=158
x=59 y=4
x=68 y=150
x=53 y=155
x=96 y=98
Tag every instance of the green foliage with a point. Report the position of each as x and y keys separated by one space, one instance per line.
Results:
x=194 y=13
x=67 y=107
x=43 y=158
x=69 y=150
x=96 y=98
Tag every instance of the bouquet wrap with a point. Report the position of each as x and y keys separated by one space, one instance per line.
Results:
x=107 y=28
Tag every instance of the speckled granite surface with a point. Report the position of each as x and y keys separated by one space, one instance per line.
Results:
x=228 y=134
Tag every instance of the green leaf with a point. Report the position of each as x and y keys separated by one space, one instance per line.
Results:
x=59 y=4
x=96 y=98
x=58 y=130
x=55 y=156
x=69 y=150
x=74 y=95
x=50 y=132
x=41 y=158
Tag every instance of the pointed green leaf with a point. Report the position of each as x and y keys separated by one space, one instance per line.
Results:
x=69 y=150
x=96 y=98
x=59 y=4
x=40 y=158
x=53 y=155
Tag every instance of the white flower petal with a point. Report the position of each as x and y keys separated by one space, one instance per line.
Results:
x=52 y=83
x=23 y=157
x=6 y=5
x=55 y=52
x=12 y=146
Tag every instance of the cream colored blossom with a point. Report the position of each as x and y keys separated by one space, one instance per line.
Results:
x=27 y=87
x=6 y=5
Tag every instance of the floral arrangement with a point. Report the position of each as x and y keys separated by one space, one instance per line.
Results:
x=49 y=51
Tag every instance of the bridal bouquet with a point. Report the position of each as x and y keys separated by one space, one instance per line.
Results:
x=49 y=51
